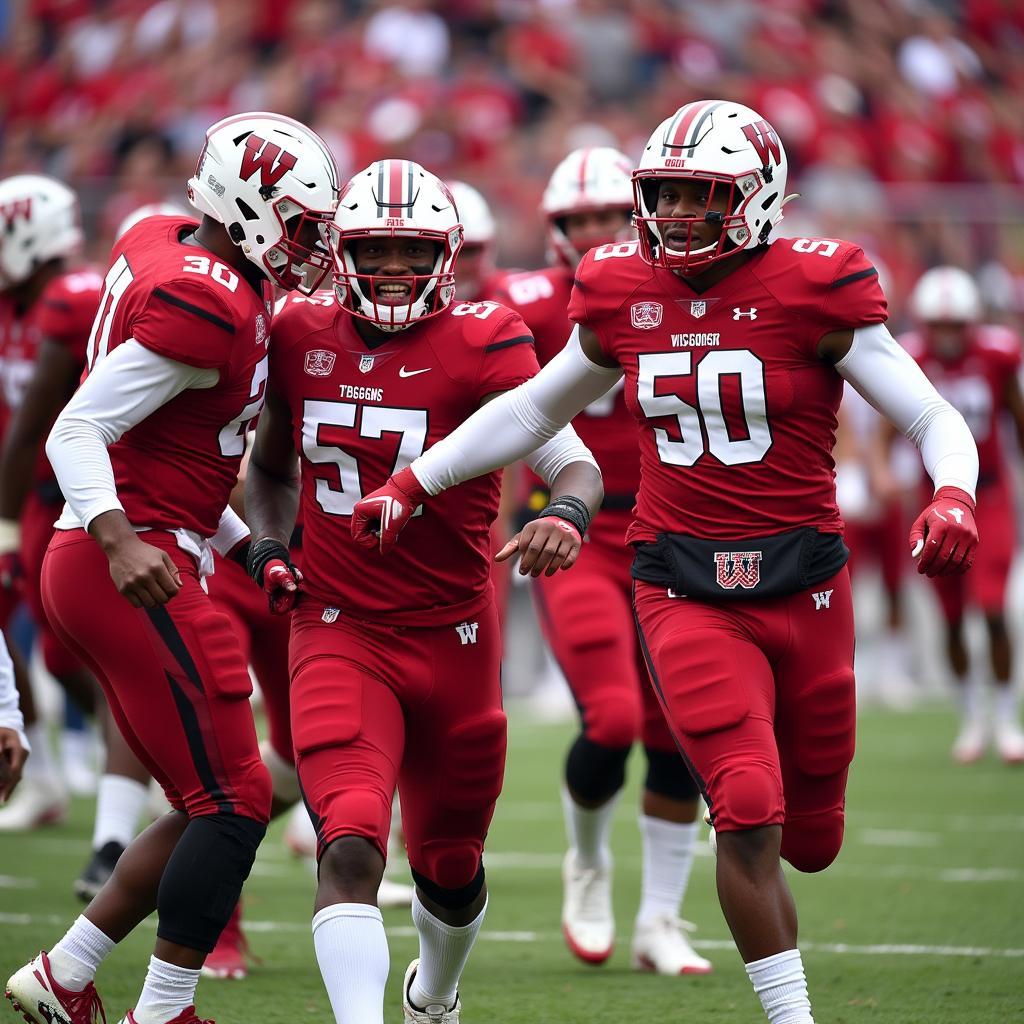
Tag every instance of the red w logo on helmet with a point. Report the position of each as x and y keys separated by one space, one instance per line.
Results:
x=269 y=159
x=764 y=140
x=10 y=212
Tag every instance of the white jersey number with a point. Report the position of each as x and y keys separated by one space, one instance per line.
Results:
x=232 y=435
x=375 y=422
x=740 y=363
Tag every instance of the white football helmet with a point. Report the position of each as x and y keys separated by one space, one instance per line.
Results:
x=150 y=210
x=592 y=178
x=394 y=199
x=732 y=147
x=39 y=222
x=474 y=213
x=946 y=295
x=273 y=184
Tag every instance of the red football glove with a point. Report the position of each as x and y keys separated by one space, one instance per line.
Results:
x=270 y=566
x=945 y=534
x=379 y=518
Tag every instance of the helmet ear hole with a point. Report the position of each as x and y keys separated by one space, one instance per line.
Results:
x=236 y=233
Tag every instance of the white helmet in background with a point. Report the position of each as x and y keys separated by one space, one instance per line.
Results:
x=474 y=213
x=725 y=143
x=39 y=222
x=395 y=199
x=946 y=295
x=273 y=184
x=150 y=210
x=592 y=178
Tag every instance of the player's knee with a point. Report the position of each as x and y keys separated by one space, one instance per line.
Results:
x=452 y=877
x=747 y=796
x=595 y=772
x=668 y=775
x=813 y=842
x=351 y=866
x=613 y=717
x=284 y=782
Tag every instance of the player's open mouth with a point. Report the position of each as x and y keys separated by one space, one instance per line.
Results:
x=680 y=239
x=391 y=293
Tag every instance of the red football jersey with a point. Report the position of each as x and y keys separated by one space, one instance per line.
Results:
x=737 y=410
x=63 y=313
x=974 y=383
x=361 y=414
x=177 y=467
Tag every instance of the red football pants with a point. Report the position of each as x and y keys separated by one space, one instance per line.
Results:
x=376 y=705
x=174 y=676
x=760 y=696
x=586 y=615
x=263 y=638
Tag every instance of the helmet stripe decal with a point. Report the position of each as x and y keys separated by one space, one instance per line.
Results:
x=395 y=180
x=698 y=125
x=409 y=186
x=380 y=188
x=676 y=135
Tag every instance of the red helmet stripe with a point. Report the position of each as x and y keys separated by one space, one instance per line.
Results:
x=583 y=170
x=396 y=179
x=676 y=136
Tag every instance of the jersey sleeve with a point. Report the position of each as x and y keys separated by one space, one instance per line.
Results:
x=604 y=277
x=67 y=309
x=508 y=358
x=852 y=297
x=187 y=321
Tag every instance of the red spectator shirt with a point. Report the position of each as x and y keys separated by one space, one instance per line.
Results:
x=606 y=426
x=974 y=383
x=738 y=412
x=361 y=414
x=63 y=313
x=177 y=467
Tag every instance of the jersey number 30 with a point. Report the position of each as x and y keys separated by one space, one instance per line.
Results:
x=740 y=364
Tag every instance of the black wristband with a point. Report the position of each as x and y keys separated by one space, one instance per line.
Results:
x=263 y=551
x=571 y=509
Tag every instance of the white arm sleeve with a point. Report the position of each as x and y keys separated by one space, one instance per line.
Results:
x=518 y=421
x=127 y=386
x=10 y=711
x=231 y=531
x=562 y=450
x=887 y=376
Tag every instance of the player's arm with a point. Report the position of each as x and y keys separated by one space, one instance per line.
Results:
x=869 y=358
x=122 y=390
x=272 y=503
x=516 y=423
x=14 y=747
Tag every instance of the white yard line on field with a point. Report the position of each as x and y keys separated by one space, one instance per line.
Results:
x=897 y=837
x=14 y=882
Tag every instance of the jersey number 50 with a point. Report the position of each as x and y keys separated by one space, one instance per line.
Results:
x=729 y=450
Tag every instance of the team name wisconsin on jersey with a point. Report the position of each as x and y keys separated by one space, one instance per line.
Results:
x=177 y=467
x=738 y=412
x=360 y=415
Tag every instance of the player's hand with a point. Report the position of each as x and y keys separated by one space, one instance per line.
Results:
x=269 y=564
x=380 y=517
x=945 y=535
x=12 y=759
x=143 y=573
x=544 y=546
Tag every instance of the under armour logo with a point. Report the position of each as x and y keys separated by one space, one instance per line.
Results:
x=957 y=514
x=467 y=632
x=750 y=314
x=821 y=599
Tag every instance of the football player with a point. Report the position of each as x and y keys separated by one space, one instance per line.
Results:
x=395 y=663
x=477 y=274
x=146 y=453
x=587 y=617
x=976 y=367
x=734 y=353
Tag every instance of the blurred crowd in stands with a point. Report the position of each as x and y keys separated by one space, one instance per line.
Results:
x=903 y=119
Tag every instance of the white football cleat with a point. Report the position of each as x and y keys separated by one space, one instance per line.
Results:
x=433 y=1014
x=587 y=920
x=35 y=994
x=38 y=800
x=660 y=945
x=971 y=741
x=1010 y=741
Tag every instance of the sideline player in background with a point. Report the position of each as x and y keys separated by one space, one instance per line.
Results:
x=734 y=354
x=587 y=617
x=146 y=453
x=49 y=310
x=976 y=368
x=396 y=664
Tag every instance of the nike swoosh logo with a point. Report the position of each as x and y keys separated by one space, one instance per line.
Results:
x=403 y=372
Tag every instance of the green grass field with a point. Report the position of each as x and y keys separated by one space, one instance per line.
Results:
x=920 y=921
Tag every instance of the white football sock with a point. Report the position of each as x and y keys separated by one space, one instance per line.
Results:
x=1006 y=703
x=588 y=830
x=667 y=861
x=781 y=986
x=352 y=951
x=168 y=990
x=444 y=951
x=119 y=804
x=76 y=958
x=971 y=694
x=41 y=764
